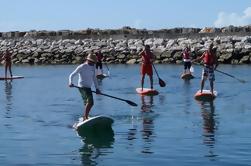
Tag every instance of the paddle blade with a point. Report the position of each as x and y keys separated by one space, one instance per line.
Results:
x=131 y=103
x=162 y=83
x=242 y=81
x=191 y=69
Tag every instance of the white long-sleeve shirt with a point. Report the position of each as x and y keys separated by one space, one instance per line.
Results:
x=86 y=76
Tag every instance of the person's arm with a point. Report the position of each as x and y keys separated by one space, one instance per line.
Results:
x=140 y=53
x=75 y=72
x=199 y=58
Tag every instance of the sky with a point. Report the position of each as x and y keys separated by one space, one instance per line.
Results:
x=25 y=15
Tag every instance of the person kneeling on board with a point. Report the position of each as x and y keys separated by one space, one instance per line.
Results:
x=210 y=64
x=87 y=76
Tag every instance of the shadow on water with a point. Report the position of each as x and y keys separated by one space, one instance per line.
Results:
x=8 y=94
x=96 y=142
x=210 y=125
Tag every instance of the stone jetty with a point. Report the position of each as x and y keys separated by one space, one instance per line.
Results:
x=123 y=45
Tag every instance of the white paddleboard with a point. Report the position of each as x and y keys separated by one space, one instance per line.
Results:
x=11 y=78
x=96 y=121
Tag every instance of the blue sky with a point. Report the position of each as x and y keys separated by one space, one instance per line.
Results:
x=25 y=15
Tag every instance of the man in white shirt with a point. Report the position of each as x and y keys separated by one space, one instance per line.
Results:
x=87 y=76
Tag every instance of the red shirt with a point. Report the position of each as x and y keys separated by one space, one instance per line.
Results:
x=186 y=55
x=209 y=58
x=147 y=57
x=99 y=56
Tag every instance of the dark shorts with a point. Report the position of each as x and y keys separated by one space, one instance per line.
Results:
x=187 y=65
x=86 y=94
x=208 y=72
x=99 y=65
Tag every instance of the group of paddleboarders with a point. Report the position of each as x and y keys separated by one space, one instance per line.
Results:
x=210 y=64
x=87 y=75
x=6 y=57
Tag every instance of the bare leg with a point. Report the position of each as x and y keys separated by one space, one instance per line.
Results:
x=10 y=70
x=212 y=86
x=6 y=67
x=202 y=84
x=142 y=81
x=88 y=107
x=151 y=81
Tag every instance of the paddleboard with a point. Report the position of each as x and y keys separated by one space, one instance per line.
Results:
x=147 y=91
x=11 y=78
x=101 y=76
x=187 y=76
x=206 y=95
x=94 y=122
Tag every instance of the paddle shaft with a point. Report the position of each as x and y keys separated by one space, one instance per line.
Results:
x=155 y=70
x=107 y=66
x=230 y=75
x=128 y=101
x=243 y=81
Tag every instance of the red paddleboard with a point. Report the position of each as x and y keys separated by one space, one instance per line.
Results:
x=11 y=78
x=206 y=95
x=147 y=91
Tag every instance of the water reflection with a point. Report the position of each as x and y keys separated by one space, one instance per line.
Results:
x=147 y=125
x=8 y=94
x=210 y=125
x=96 y=143
x=187 y=95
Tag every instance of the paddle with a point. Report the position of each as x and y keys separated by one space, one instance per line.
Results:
x=191 y=69
x=242 y=81
x=161 y=82
x=108 y=71
x=128 y=101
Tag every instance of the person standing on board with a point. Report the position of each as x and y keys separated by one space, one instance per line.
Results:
x=210 y=64
x=146 y=66
x=87 y=77
x=7 y=62
x=187 y=60
x=99 y=56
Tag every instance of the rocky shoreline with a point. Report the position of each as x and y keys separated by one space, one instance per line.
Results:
x=28 y=49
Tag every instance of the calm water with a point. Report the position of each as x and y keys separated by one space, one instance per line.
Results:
x=36 y=115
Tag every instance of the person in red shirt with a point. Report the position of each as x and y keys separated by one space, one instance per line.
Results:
x=99 y=56
x=7 y=61
x=210 y=64
x=187 y=60
x=146 y=66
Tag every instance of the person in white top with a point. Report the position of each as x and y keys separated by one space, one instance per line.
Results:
x=87 y=76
